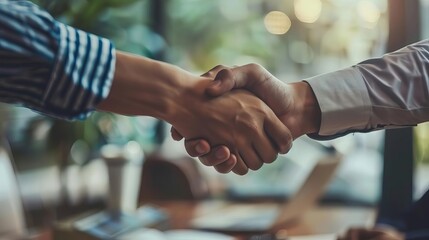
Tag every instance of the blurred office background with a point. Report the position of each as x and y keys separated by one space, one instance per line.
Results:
x=57 y=163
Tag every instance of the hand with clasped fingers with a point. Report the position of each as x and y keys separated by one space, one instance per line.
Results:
x=294 y=104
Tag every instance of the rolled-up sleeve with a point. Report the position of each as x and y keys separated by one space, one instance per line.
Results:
x=387 y=92
x=50 y=67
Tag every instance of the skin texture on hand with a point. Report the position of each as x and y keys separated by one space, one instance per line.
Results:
x=142 y=86
x=377 y=233
x=294 y=104
x=238 y=120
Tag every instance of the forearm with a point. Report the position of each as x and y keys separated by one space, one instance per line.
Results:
x=142 y=86
x=398 y=86
x=385 y=92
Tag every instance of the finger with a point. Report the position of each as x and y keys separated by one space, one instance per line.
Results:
x=279 y=134
x=264 y=147
x=213 y=72
x=175 y=134
x=240 y=167
x=197 y=147
x=216 y=156
x=363 y=233
x=381 y=237
x=370 y=234
x=224 y=82
x=227 y=165
x=251 y=158
x=353 y=234
x=265 y=150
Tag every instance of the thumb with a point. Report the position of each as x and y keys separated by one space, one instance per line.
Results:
x=224 y=82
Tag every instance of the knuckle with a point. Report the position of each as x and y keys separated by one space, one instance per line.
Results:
x=225 y=73
x=255 y=68
x=253 y=65
x=250 y=124
x=209 y=74
x=219 y=66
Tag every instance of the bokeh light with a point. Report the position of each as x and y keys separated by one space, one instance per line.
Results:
x=277 y=22
x=368 y=11
x=308 y=11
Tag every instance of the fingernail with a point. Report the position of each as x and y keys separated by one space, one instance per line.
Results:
x=199 y=148
x=220 y=154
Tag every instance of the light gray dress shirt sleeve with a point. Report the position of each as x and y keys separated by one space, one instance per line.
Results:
x=386 y=92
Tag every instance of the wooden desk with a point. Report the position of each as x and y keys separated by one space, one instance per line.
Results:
x=319 y=220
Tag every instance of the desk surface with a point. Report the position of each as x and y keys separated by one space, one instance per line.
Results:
x=318 y=220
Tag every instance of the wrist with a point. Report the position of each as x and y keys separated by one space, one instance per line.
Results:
x=307 y=106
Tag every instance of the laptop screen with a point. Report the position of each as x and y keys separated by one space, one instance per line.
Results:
x=280 y=179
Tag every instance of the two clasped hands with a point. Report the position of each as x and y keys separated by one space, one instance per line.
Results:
x=263 y=115
x=234 y=119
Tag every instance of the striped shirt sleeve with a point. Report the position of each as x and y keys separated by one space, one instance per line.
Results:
x=50 y=67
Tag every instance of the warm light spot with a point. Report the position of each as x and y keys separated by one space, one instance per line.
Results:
x=368 y=11
x=277 y=22
x=308 y=11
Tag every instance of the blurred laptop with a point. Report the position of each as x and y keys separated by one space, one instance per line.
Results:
x=257 y=217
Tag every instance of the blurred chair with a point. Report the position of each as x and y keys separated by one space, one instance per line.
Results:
x=165 y=178
x=12 y=223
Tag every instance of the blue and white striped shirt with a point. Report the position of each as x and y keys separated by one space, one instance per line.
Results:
x=50 y=67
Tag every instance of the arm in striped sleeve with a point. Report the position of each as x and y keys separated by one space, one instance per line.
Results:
x=50 y=67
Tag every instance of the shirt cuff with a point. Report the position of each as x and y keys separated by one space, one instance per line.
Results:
x=344 y=102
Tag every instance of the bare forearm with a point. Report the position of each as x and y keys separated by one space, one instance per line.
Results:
x=142 y=86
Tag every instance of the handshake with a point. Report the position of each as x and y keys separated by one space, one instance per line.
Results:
x=234 y=119
x=239 y=118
